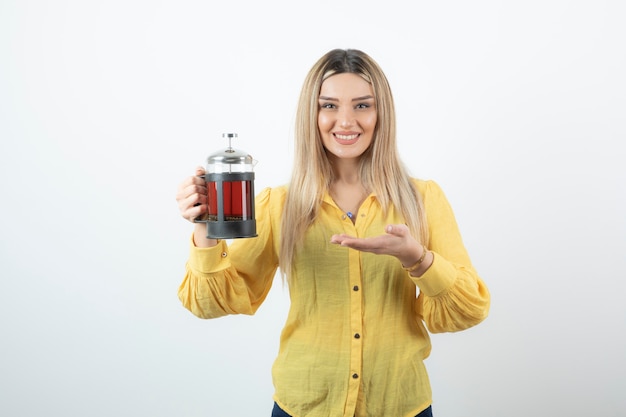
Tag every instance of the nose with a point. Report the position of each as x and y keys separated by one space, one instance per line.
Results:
x=345 y=117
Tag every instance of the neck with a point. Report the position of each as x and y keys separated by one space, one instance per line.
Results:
x=347 y=190
x=346 y=171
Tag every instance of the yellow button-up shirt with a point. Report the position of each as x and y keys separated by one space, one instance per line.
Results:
x=355 y=337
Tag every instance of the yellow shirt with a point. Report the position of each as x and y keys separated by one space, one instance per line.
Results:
x=355 y=336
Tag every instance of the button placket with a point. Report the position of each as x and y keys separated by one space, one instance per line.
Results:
x=356 y=324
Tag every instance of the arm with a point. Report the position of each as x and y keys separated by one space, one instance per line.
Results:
x=452 y=295
x=223 y=280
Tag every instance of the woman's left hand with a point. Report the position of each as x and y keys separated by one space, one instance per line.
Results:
x=397 y=241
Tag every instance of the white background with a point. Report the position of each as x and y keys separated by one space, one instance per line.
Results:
x=517 y=109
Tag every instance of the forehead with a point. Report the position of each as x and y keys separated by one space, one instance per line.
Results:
x=346 y=85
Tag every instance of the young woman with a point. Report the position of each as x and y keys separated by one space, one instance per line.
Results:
x=373 y=257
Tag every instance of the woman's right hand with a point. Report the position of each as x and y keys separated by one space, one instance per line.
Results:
x=193 y=203
x=192 y=196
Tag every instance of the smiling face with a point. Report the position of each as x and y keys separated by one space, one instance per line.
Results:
x=347 y=115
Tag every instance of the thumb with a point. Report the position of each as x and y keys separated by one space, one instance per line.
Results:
x=200 y=170
x=397 y=229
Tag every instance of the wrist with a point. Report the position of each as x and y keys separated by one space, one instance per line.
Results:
x=200 y=239
x=424 y=266
x=412 y=266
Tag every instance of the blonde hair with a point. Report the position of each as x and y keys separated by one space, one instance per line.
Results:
x=381 y=170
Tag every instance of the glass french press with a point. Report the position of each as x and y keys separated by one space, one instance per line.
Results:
x=230 y=188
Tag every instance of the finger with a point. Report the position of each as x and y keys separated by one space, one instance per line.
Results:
x=339 y=238
x=183 y=188
x=190 y=187
x=363 y=244
x=193 y=200
x=192 y=206
x=194 y=212
x=400 y=230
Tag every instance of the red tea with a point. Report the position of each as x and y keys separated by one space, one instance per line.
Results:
x=237 y=200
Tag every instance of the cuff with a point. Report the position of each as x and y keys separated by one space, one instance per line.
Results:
x=208 y=260
x=437 y=278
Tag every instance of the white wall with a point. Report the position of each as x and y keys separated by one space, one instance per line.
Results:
x=517 y=109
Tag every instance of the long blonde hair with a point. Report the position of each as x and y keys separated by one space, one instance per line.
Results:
x=381 y=170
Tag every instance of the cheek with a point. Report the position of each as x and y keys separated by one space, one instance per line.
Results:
x=371 y=121
x=324 y=123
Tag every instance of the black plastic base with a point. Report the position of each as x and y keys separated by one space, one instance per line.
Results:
x=231 y=229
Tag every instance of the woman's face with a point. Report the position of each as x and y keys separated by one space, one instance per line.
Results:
x=347 y=115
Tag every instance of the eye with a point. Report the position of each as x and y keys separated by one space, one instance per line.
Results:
x=327 y=106
x=363 y=106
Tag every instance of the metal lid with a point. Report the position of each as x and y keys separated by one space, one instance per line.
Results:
x=230 y=155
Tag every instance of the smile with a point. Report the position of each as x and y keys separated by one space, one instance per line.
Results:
x=346 y=138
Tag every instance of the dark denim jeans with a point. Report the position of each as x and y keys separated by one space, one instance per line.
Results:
x=278 y=412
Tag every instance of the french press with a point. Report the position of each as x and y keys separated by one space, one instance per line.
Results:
x=230 y=188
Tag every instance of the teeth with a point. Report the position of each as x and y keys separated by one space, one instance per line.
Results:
x=346 y=137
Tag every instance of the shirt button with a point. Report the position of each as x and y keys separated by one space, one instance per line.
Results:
x=355 y=376
x=224 y=254
x=355 y=288
x=343 y=217
x=357 y=336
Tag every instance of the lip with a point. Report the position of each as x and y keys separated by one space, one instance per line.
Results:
x=346 y=138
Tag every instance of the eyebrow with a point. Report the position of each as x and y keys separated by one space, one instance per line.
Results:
x=354 y=99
